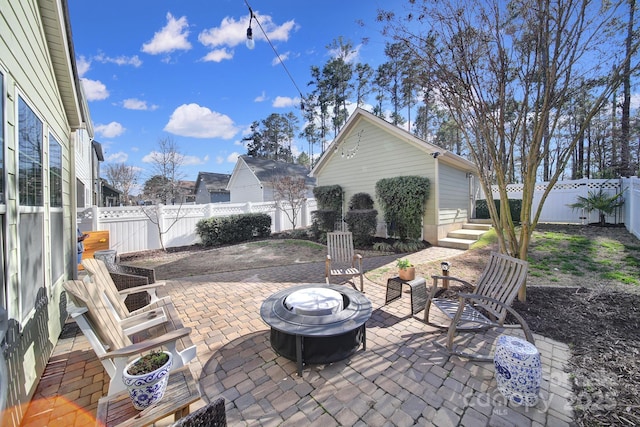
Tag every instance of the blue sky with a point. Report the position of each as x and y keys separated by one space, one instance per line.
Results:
x=157 y=69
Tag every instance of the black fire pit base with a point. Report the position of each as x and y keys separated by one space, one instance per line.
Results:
x=317 y=339
x=319 y=349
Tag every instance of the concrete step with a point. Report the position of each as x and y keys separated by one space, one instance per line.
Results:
x=480 y=221
x=467 y=234
x=483 y=227
x=450 y=242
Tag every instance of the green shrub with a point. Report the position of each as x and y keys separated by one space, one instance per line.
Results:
x=362 y=224
x=233 y=229
x=328 y=197
x=361 y=219
x=324 y=220
x=403 y=201
x=360 y=201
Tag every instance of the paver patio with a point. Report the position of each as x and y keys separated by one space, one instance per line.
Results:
x=404 y=377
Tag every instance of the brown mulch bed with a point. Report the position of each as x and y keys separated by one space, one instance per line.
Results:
x=602 y=329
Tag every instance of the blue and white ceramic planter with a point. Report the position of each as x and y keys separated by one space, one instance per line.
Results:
x=147 y=389
x=518 y=370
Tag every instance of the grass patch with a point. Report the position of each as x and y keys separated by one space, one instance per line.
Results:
x=488 y=238
x=619 y=276
x=555 y=253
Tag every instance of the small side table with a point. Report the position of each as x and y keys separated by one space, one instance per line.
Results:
x=417 y=289
x=117 y=410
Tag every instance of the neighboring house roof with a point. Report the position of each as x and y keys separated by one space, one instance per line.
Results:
x=214 y=182
x=187 y=186
x=266 y=169
x=360 y=114
x=106 y=188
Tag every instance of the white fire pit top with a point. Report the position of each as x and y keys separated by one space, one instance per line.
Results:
x=314 y=301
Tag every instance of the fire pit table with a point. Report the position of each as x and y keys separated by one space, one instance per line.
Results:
x=316 y=323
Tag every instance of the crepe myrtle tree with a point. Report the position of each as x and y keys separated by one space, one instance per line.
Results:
x=507 y=72
x=290 y=189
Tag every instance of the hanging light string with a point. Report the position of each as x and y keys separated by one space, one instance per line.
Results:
x=253 y=16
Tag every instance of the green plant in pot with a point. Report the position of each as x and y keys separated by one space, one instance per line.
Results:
x=406 y=270
x=146 y=378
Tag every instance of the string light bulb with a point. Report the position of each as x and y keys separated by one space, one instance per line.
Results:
x=250 y=42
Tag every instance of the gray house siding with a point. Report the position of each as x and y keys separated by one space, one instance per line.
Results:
x=38 y=79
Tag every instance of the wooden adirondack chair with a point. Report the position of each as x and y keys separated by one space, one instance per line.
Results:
x=100 y=276
x=342 y=261
x=487 y=306
x=111 y=344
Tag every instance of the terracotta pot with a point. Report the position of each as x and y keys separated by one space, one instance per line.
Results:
x=408 y=273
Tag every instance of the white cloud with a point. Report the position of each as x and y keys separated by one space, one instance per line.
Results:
x=119 y=157
x=137 y=104
x=172 y=36
x=200 y=122
x=635 y=100
x=231 y=33
x=233 y=157
x=285 y=101
x=183 y=159
x=94 y=90
x=283 y=56
x=219 y=160
x=218 y=55
x=110 y=130
x=261 y=98
x=119 y=60
x=351 y=58
x=83 y=65
x=194 y=160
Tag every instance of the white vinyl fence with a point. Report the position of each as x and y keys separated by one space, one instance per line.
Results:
x=135 y=228
x=556 y=207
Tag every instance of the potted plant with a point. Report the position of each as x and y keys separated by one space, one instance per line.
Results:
x=406 y=270
x=146 y=378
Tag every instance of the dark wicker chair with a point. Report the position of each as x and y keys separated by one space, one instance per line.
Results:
x=126 y=276
x=212 y=415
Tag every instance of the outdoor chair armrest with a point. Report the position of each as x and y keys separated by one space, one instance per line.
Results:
x=158 y=303
x=143 y=288
x=143 y=321
x=455 y=279
x=146 y=345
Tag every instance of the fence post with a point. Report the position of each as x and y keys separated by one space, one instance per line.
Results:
x=304 y=213
x=95 y=218
x=277 y=218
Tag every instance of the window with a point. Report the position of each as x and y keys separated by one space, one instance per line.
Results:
x=56 y=218
x=31 y=211
x=55 y=172
x=2 y=199
x=2 y=96
x=30 y=156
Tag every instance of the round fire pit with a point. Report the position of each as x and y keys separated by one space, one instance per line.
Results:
x=316 y=323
